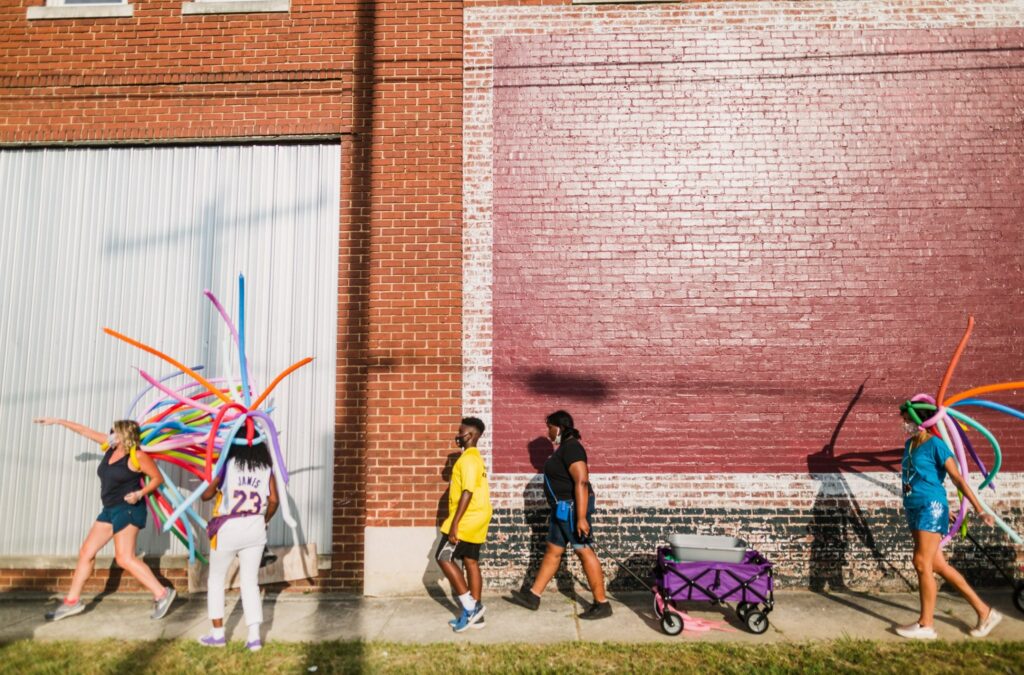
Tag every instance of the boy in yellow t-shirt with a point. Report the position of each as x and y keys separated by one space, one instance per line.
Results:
x=465 y=529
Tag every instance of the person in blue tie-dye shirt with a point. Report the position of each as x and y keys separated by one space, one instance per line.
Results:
x=927 y=460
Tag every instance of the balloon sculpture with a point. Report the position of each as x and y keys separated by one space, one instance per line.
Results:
x=191 y=424
x=943 y=414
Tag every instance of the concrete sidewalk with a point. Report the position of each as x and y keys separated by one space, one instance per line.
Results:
x=798 y=616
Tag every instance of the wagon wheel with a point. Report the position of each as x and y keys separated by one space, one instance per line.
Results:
x=672 y=623
x=1018 y=596
x=757 y=622
x=745 y=608
x=659 y=605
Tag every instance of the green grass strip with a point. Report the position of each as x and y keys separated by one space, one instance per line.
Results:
x=682 y=656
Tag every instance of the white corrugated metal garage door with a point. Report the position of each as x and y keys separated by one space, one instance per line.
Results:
x=129 y=238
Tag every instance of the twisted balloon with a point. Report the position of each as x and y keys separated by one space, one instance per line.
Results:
x=942 y=414
x=190 y=425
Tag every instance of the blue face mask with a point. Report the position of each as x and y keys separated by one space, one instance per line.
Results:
x=112 y=440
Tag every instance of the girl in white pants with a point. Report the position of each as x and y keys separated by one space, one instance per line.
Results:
x=246 y=501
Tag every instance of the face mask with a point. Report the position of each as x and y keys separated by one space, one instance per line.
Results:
x=558 y=440
x=460 y=441
x=909 y=428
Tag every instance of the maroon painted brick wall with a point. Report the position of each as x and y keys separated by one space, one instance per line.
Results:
x=705 y=243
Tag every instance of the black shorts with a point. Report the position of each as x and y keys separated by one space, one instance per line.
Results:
x=446 y=552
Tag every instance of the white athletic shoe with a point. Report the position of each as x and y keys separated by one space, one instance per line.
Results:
x=65 y=610
x=916 y=631
x=161 y=606
x=985 y=627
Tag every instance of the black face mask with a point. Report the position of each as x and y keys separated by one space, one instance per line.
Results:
x=460 y=441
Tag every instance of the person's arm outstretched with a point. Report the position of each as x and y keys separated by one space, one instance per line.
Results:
x=79 y=429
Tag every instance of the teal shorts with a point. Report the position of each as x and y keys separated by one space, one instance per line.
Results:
x=928 y=516
x=123 y=515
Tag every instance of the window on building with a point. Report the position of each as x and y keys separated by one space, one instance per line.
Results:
x=77 y=9
x=235 y=6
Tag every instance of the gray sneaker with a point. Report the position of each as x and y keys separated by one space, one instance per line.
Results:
x=161 y=606
x=65 y=610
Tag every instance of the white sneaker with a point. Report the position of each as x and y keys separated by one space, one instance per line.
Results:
x=985 y=627
x=916 y=631
x=65 y=610
x=161 y=606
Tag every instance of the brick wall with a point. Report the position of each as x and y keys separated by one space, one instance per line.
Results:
x=161 y=75
x=730 y=237
x=831 y=530
x=382 y=77
x=400 y=88
x=705 y=242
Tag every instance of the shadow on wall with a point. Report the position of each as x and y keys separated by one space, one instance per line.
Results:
x=537 y=513
x=539 y=450
x=837 y=517
x=567 y=385
x=640 y=564
x=433 y=579
x=560 y=386
x=446 y=476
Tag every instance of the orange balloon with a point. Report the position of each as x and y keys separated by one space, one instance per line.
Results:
x=180 y=366
x=956 y=359
x=1002 y=386
x=277 y=380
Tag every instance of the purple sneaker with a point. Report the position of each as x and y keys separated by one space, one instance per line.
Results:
x=210 y=641
x=254 y=645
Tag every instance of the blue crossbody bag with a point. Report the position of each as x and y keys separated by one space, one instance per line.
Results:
x=563 y=508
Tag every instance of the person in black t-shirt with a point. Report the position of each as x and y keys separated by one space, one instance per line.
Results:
x=567 y=479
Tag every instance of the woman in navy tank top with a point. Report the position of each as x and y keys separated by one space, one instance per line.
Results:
x=123 y=494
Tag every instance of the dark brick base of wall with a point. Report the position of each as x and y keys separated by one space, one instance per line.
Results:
x=834 y=546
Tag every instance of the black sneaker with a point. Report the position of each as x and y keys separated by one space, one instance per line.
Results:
x=526 y=599
x=598 y=610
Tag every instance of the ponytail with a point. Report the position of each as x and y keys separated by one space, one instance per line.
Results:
x=563 y=421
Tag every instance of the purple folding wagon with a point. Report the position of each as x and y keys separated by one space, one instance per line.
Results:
x=749 y=583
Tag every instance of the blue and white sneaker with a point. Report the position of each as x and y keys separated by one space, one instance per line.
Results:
x=468 y=618
x=482 y=623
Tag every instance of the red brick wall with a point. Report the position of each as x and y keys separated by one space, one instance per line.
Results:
x=385 y=78
x=103 y=579
x=591 y=307
x=705 y=242
x=414 y=362
x=159 y=74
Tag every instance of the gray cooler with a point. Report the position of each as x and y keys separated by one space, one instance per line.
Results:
x=707 y=548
